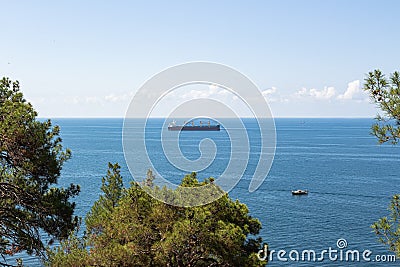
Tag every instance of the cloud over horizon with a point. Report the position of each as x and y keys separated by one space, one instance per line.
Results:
x=353 y=92
x=326 y=93
x=116 y=102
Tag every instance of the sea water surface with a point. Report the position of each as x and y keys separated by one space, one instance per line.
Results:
x=350 y=178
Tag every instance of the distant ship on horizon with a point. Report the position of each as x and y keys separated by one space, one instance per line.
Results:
x=172 y=126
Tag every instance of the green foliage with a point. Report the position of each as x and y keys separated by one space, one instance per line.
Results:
x=71 y=253
x=149 y=181
x=112 y=188
x=386 y=94
x=31 y=158
x=187 y=195
x=388 y=229
x=142 y=231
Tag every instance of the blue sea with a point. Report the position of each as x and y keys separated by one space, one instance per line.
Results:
x=350 y=179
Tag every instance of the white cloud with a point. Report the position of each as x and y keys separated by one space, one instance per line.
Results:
x=269 y=91
x=212 y=91
x=98 y=100
x=193 y=94
x=353 y=91
x=92 y=100
x=74 y=100
x=119 y=97
x=301 y=92
x=112 y=98
x=324 y=94
x=213 y=88
x=271 y=95
x=224 y=92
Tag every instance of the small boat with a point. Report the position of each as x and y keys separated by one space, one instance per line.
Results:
x=299 y=192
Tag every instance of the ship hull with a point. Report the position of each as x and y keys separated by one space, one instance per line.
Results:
x=194 y=128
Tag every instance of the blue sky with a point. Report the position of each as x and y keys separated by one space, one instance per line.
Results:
x=87 y=58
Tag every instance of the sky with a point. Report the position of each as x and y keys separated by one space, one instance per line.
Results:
x=308 y=58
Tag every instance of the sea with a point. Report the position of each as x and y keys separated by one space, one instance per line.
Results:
x=349 y=176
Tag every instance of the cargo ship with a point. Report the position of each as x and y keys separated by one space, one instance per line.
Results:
x=192 y=127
